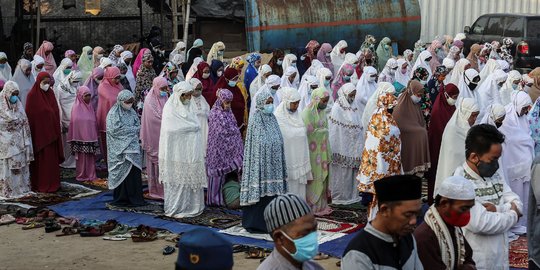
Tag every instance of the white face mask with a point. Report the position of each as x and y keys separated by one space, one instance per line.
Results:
x=186 y=101
x=416 y=99
x=371 y=79
x=219 y=73
x=449 y=100
x=205 y=75
x=44 y=87
x=126 y=106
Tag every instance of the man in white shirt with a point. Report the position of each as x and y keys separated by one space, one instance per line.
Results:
x=497 y=208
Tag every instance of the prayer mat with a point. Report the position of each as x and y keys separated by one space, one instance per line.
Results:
x=211 y=217
x=518 y=255
x=352 y=207
x=67 y=191
x=99 y=183
x=153 y=208
x=357 y=217
x=67 y=173
x=329 y=225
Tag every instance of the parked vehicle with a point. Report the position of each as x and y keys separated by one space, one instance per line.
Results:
x=523 y=29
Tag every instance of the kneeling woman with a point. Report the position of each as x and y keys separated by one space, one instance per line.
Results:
x=124 y=152
x=181 y=157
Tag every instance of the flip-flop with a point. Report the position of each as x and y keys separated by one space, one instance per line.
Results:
x=33 y=225
x=68 y=231
x=168 y=250
x=52 y=227
x=255 y=253
x=114 y=238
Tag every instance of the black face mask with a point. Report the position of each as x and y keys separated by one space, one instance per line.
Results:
x=472 y=86
x=369 y=62
x=390 y=110
x=498 y=124
x=487 y=169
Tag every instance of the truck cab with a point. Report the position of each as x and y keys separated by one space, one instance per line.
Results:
x=523 y=29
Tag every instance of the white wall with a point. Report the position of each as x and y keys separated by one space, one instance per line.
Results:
x=449 y=17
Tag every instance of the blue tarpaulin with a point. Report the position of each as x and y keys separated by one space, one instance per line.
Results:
x=95 y=208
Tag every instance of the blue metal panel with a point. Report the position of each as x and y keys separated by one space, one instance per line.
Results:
x=290 y=24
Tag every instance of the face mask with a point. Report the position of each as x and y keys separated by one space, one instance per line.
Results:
x=90 y=57
x=293 y=64
x=268 y=108
x=387 y=47
x=279 y=62
x=13 y=99
x=67 y=71
x=350 y=100
x=74 y=84
x=99 y=81
x=306 y=247
x=515 y=86
x=99 y=56
x=392 y=72
x=457 y=219
x=44 y=87
x=205 y=75
x=450 y=100
x=423 y=82
x=472 y=86
x=186 y=101
x=232 y=83
x=163 y=93
x=347 y=78
x=498 y=124
x=322 y=106
x=328 y=55
x=326 y=83
x=273 y=91
x=122 y=76
x=219 y=73
x=2 y=65
x=487 y=169
x=220 y=53
x=368 y=62
x=371 y=79
x=126 y=106
x=390 y=110
x=416 y=99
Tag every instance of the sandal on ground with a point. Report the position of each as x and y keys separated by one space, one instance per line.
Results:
x=321 y=256
x=240 y=248
x=143 y=236
x=68 y=231
x=109 y=225
x=115 y=238
x=33 y=225
x=168 y=250
x=255 y=253
x=52 y=227
x=7 y=219
x=120 y=229
x=91 y=232
x=338 y=263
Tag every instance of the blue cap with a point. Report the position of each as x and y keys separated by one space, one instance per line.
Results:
x=204 y=249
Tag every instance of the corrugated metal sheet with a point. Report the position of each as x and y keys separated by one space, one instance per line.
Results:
x=291 y=24
x=449 y=17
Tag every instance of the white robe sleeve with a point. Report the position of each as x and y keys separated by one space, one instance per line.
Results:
x=485 y=222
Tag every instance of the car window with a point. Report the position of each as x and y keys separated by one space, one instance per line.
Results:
x=533 y=28
x=514 y=27
x=494 y=26
x=478 y=27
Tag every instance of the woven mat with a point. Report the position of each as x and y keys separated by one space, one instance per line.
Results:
x=211 y=217
x=518 y=255
x=329 y=225
x=351 y=216
x=67 y=191
x=153 y=208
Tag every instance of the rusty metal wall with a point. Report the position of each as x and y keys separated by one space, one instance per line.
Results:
x=291 y=24
x=449 y=17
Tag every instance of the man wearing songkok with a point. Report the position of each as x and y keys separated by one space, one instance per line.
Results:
x=293 y=228
x=497 y=208
x=441 y=244
x=387 y=241
x=204 y=249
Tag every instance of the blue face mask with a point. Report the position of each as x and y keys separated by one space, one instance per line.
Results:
x=268 y=108
x=273 y=91
x=232 y=83
x=2 y=65
x=163 y=93
x=307 y=247
x=347 y=78
x=67 y=71
x=326 y=83
x=13 y=99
